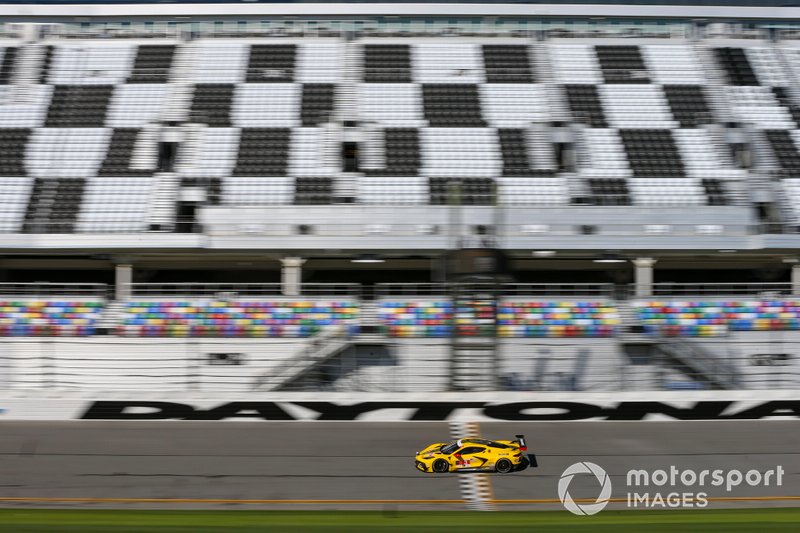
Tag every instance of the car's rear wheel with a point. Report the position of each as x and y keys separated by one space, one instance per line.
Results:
x=440 y=466
x=503 y=466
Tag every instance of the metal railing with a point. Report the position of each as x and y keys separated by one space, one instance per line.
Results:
x=55 y=290
x=718 y=290
x=238 y=290
x=390 y=290
x=604 y=290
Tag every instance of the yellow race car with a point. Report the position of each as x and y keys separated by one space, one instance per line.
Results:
x=476 y=455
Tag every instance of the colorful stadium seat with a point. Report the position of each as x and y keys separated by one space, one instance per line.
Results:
x=215 y=318
x=710 y=318
x=37 y=318
x=513 y=318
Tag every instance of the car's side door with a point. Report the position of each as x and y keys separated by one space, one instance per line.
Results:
x=470 y=457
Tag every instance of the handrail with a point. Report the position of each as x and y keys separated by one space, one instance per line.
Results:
x=774 y=290
x=47 y=289
x=240 y=290
x=605 y=290
x=717 y=290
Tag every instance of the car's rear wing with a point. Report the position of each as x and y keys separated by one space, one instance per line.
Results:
x=523 y=446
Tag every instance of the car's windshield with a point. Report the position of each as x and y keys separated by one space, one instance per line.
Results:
x=449 y=448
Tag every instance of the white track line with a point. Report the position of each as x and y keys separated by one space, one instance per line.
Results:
x=476 y=489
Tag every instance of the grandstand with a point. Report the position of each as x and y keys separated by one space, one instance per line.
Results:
x=419 y=203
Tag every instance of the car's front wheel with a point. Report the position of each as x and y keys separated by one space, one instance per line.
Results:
x=440 y=466
x=503 y=466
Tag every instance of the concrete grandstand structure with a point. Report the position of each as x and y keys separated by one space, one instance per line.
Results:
x=300 y=197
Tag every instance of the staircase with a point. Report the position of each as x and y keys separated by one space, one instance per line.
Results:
x=715 y=90
x=628 y=321
x=369 y=317
x=331 y=147
x=30 y=60
x=179 y=100
x=791 y=76
x=473 y=347
x=321 y=348
x=144 y=155
x=558 y=108
x=112 y=316
x=347 y=91
x=372 y=153
x=540 y=149
x=717 y=137
x=189 y=149
x=701 y=364
x=784 y=208
x=162 y=207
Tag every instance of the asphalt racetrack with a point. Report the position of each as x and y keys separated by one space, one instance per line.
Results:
x=369 y=465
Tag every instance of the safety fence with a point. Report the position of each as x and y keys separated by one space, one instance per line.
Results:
x=356 y=290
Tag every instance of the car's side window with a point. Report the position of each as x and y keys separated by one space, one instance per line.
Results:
x=471 y=450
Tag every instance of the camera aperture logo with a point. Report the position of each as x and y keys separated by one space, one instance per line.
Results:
x=584 y=509
x=663 y=488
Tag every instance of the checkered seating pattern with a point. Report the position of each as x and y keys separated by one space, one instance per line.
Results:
x=513 y=319
x=702 y=318
x=644 y=106
x=38 y=318
x=437 y=109
x=250 y=318
x=466 y=107
x=58 y=137
x=761 y=87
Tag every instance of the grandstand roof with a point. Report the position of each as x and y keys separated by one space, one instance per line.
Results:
x=757 y=3
x=704 y=9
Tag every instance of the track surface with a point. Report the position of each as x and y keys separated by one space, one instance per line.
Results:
x=297 y=462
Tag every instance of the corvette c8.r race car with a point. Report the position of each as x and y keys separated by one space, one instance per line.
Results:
x=476 y=455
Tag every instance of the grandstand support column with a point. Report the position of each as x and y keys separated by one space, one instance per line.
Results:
x=123 y=276
x=796 y=279
x=644 y=275
x=291 y=275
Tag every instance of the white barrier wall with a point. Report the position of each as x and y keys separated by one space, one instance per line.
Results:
x=114 y=363
x=186 y=365
x=501 y=406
